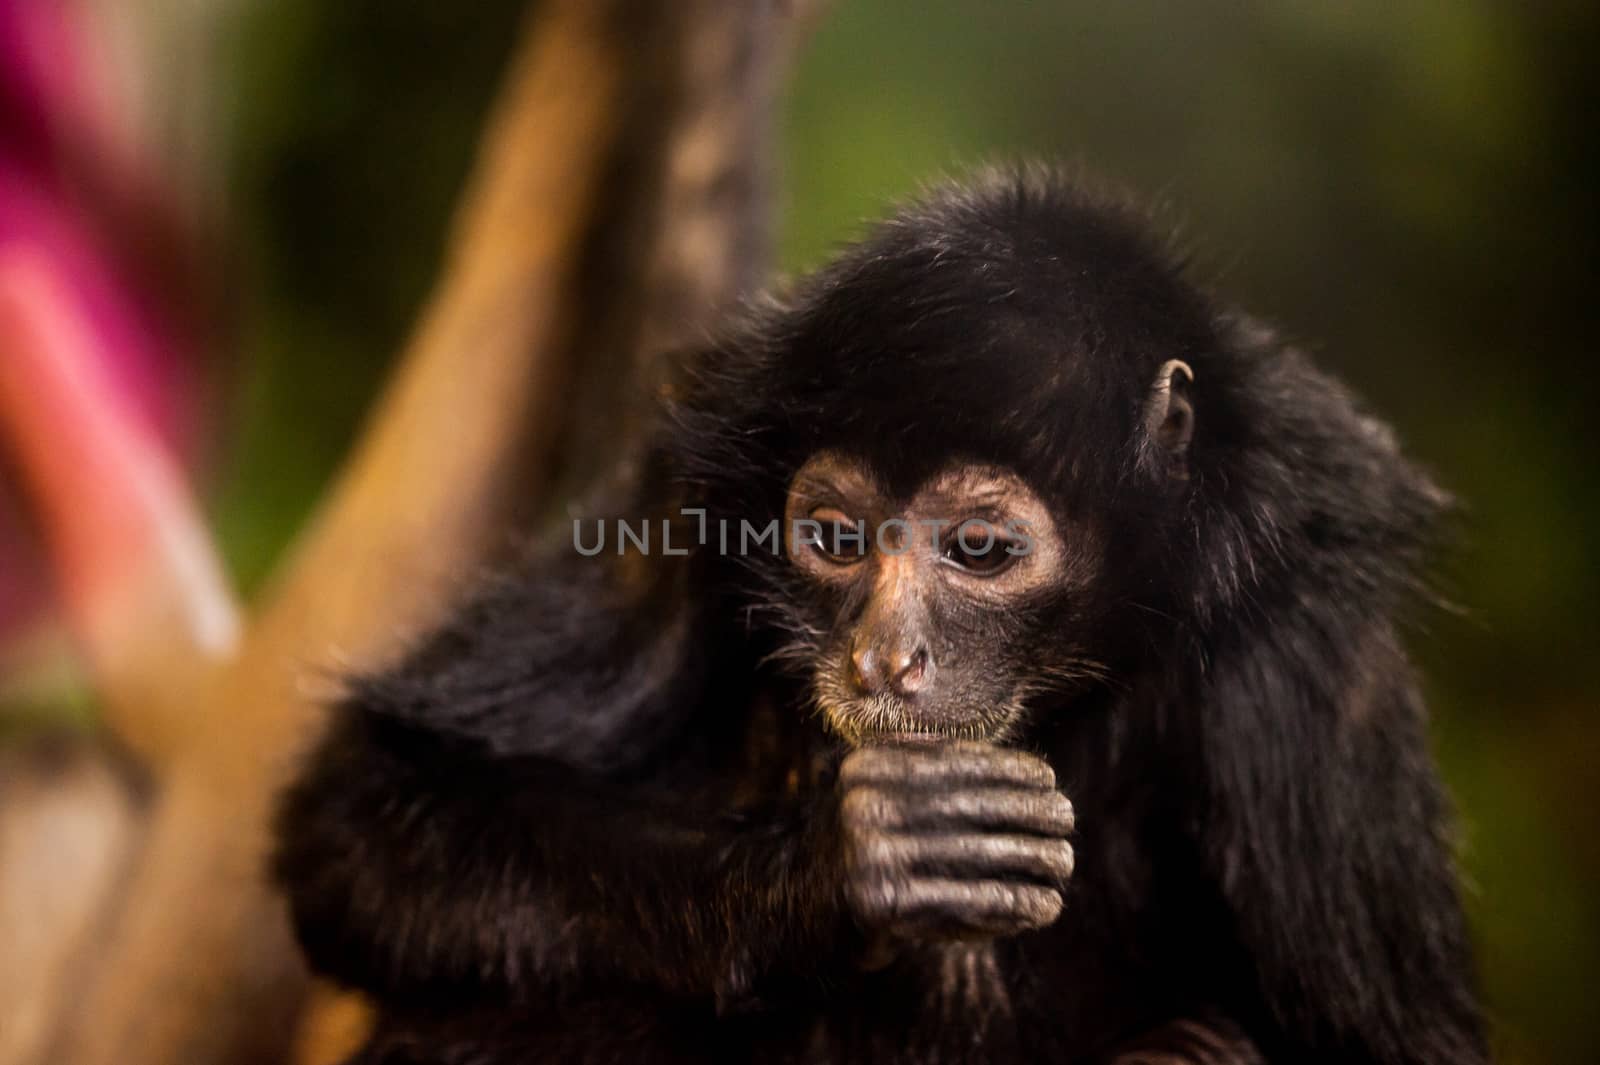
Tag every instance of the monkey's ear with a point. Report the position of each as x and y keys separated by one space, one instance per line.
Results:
x=1169 y=411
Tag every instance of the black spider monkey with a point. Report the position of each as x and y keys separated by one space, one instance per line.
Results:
x=1052 y=524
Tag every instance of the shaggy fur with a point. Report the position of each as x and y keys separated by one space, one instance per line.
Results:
x=592 y=818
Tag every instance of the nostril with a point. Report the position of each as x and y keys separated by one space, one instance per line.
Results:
x=866 y=669
x=911 y=672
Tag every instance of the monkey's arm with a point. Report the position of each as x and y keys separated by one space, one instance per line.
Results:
x=416 y=865
x=535 y=798
x=1326 y=832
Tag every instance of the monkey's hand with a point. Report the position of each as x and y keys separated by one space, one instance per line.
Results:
x=952 y=840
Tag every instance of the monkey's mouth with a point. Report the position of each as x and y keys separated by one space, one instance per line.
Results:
x=909 y=737
x=880 y=719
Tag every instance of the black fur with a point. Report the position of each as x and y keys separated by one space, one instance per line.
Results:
x=592 y=819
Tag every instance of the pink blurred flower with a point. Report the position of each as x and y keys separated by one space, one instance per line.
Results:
x=82 y=207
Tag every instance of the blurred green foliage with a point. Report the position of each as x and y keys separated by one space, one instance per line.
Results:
x=1409 y=188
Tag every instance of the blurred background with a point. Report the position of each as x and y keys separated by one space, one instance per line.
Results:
x=1408 y=188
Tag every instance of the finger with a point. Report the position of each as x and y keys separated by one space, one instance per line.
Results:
x=945 y=765
x=994 y=906
x=1047 y=860
x=1044 y=813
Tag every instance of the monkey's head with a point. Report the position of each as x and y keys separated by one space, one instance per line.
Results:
x=977 y=427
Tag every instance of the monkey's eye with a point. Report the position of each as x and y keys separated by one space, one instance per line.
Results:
x=842 y=541
x=974 y=547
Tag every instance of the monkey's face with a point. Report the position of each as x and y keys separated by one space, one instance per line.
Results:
x=937 y=614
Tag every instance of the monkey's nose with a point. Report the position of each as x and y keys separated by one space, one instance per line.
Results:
x=904 y=671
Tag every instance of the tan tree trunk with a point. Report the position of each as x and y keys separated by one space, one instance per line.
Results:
x=617 y=207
